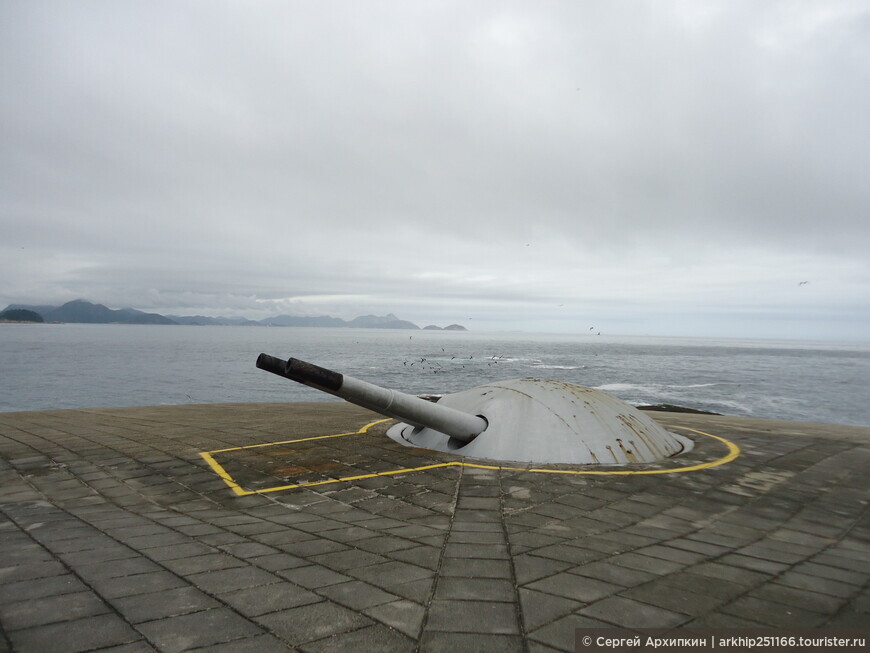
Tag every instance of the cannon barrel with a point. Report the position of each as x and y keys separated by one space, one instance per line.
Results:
x=391 y=403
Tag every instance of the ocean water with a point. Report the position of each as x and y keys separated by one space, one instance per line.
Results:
x=86 y=366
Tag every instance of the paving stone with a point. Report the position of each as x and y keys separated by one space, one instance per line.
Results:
x=357 y=595
x=478 y=503
x=628 y=613
x=577 y=588
x=254 y=528
x=227 y=580
x=848 y=619
x=830 y=558
x=31 y=571
x=618 y=542
x=73 y=636
x=539 y=608
x=812 y=601
x=705 y=548
x=718 y=588
x=200 y=563
x=38 y=612
x=314 y=576
x=476 y=537
x=832 y=573
x=775 y=551
x=348 y=559
x=680 y=556
x=561 y=633
x=611 y=573
x=723 y=620
x=255 y=601
x=797 y=537
x=443 y=642
x=322 y=525
x=248 y=549
x=312 y=622
x=727 y=572
x=473 y=617
x=817 y=584
x=308 y=548
x=477 y=568
x=754 y=564
x=772 y=613
x=112 y=588
x=54 y=536
x=372 y=638
x=477 y=589
x=140 y=646
x=352 y=534
x=664 y=595
x=403 y=615
x=164 y=539
x=391 y=573
x=415 y=531
x=185 y=632
x=256 y=644
x=646 y=563
x=428 y=557
x=567 y=553
x=532 y=540
x=419 y=591
x=486 y=551
x=116 y=568
x=128 y=532
x=278 y=561
x=31 y=589
x=194 y=530
x=157 y=605
x=474 y=526
x=218 y=539
x=384 y=544
x=529 y=567
x=101 y=555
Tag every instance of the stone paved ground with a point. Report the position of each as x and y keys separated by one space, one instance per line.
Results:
x=117 y=536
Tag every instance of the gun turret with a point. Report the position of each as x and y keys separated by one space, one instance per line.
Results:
x=529 y=420
x=415 y=411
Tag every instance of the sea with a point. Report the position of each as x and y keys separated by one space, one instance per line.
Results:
x=56 y=366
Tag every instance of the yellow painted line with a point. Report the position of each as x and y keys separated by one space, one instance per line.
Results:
x=347 y=479
x=361 y=431
x=733 y=452
x=220 y=471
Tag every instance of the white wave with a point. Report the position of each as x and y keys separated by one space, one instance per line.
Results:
x=560 y=367
x=733 y=404
x=694 y=385
x=627 y=387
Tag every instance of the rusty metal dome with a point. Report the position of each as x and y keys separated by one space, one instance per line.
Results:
x=546 y=421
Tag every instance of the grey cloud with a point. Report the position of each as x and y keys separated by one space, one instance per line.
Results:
x=500 y=154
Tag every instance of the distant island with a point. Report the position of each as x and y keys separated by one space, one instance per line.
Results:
x=20 y=315
x=80 y=311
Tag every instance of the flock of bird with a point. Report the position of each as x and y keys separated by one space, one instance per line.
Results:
x=434 y=366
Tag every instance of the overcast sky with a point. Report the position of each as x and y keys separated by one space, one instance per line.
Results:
x=665 y=168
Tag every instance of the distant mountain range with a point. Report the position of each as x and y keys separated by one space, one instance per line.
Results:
x=83 y=312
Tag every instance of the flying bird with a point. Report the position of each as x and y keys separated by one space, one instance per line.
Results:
x=803 y=283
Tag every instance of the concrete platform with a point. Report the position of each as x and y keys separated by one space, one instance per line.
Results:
x=118 y=534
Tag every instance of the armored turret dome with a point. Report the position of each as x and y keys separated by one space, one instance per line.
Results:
x=545 y=421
